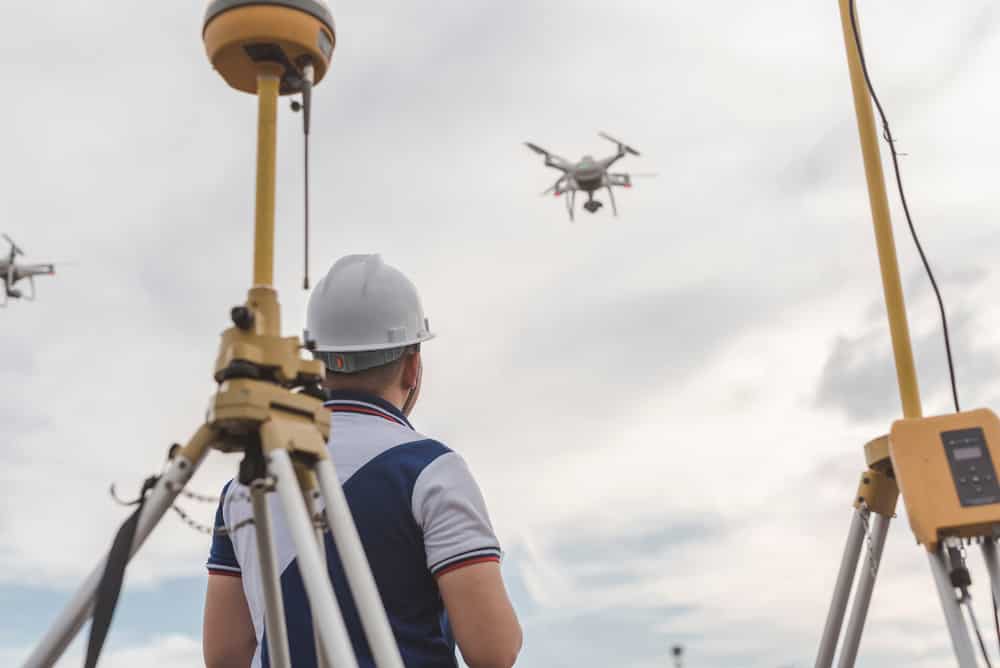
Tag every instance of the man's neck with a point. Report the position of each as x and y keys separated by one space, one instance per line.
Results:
x=395 y=398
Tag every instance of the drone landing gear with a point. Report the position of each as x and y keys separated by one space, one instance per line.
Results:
x=611 y=196
x=17 y=293
x=10 y=294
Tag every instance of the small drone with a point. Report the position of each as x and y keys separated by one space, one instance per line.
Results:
x=588 y=175
x=11 y=272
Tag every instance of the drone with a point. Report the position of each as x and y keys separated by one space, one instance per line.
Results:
x=11 y=272
x=588 y=175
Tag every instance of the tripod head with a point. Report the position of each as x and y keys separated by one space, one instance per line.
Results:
x=242 y=35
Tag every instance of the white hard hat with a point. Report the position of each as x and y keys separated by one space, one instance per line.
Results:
x=363 y=305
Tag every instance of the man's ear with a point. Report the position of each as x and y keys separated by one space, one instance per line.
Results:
x=411 y=371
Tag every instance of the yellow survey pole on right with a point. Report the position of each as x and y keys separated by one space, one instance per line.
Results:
x=899 y=329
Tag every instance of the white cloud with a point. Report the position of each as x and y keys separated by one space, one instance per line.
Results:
x=162 y=651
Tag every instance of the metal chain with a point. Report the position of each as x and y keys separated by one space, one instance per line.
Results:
x=319 y=518
x=209 y=530
x=195 y=496
x=267 y=484
x=865 y=512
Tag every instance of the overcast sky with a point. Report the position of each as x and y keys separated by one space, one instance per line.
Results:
x=666 y=410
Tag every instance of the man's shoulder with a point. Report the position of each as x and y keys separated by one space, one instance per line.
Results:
x=414 y=454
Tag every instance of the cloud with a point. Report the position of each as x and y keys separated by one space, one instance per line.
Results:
x=162 y=651
x=859 y=373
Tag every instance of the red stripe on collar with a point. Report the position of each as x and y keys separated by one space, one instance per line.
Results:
x=348 y=408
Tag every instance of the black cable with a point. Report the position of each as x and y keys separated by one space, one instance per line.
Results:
x=305 y=279
x=975 y=627
x=996 y=618
x=887 y=135
x=305 y=106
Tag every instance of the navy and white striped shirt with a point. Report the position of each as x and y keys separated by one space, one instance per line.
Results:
x=419 y=513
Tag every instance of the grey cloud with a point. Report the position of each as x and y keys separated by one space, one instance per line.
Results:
x=821 y=161
x=859 y=375
x=616 y=547
x=619 y=636
x=857 y=379
x=634 y=633
x=631 y=343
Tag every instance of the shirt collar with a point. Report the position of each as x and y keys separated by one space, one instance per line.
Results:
x=352 y=401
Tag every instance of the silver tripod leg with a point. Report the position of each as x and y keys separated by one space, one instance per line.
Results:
x=81 y=606
x=274 y=608
x=863 y=594
x=336 y=643
x=992 y=567
x=960 y=640
x=842 y=590
x=313 y=499
x=356 y=568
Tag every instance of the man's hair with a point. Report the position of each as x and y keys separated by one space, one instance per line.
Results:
x=371 y=381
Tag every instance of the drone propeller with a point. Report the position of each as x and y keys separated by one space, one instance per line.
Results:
x=13 y=246
x=625 y=147
x=536 y=148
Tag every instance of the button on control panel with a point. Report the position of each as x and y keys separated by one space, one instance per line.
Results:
x=971 y=466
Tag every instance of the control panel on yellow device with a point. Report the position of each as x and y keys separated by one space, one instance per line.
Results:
x=945 y=469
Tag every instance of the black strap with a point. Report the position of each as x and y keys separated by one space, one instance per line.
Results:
x=111 y=580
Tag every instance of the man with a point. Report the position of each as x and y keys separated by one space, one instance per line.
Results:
x=420 y=514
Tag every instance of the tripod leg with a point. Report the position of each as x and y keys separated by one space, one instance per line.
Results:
x=81 y=606
x=274 y=608
x=842 y=589
x=992 y=566
x=359 y=574
x=313 y=498
x=327 y=618
x=960 y=640
x=863 y=595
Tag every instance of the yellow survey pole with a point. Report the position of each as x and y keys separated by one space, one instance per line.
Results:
x=268 y=82
x=906 y=374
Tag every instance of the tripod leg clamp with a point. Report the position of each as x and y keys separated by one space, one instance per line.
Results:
x=878 y=492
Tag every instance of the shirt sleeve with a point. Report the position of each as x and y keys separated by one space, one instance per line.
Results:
x=221 y=555
x=450 y=509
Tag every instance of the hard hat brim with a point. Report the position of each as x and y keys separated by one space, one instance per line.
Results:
x=366 y=347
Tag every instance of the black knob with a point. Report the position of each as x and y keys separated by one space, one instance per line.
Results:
x=242 y=317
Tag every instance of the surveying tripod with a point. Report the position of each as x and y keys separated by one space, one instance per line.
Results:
x=269 y=400
x=943 y=465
